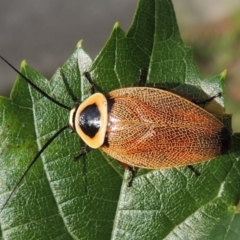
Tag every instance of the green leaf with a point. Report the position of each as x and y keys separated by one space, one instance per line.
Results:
x=89 y=199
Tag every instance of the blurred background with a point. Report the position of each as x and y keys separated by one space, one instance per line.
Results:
x=45 y=34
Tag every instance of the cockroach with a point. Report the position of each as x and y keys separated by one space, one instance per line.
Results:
x=142 y=127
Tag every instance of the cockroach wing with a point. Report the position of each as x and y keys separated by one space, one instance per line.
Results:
x=152 y=128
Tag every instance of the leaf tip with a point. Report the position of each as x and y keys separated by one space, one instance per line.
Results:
x=23 y=64
x=116 y=25
x=223 y=74
x=79 y=44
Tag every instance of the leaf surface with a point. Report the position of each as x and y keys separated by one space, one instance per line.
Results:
x=89 y=199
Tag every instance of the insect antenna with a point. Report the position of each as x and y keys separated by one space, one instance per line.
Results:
x=47 y=143
x=35 y=86
x=31 y=164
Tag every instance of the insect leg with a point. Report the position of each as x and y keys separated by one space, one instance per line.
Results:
x=88 y=77
x=130 y=169
x=133 y=175
x=142 y=77
x=209 y=99
x=68 y=88
x=195 y=171
x=85 y=151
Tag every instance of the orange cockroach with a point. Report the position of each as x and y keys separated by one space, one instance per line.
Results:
x=143 y=127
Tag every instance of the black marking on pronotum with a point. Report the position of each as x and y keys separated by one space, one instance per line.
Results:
x=89 y=120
